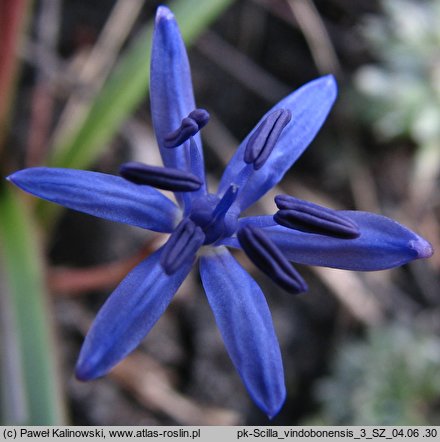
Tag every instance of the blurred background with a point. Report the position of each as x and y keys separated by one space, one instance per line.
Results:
x=358 y=348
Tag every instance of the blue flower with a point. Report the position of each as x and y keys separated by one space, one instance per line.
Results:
x=203 y=224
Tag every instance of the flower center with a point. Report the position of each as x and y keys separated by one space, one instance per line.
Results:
x=210 y=219
x=215 y=216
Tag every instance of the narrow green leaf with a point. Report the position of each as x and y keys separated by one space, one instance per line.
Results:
x=36 y=399
x=128 y=85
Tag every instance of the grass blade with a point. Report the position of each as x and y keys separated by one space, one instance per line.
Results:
x=37 y=395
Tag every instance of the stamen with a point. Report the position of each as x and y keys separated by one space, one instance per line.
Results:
x=165 y=178
x=187 y=129
x=226 y=202
x=311 y=218
x=182 y=246
x=243 y=176
x=195 y=161
x=190 y=125
x=200 y=116
x=263 y=140
x=269 y=259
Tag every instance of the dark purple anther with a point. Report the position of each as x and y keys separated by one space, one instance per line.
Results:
x=311 y=218
x=187 y=129
x=269 y=259
x=181 y=246
x=263 y=140
x=164 y=178
x=200 y=116
x=190 y=125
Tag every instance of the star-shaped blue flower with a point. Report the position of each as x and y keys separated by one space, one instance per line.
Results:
x=203 y=224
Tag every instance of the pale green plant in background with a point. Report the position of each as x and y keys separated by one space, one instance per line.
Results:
x=392 y=378
x=403 y=87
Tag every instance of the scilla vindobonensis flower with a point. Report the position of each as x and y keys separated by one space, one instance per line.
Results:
x=203 y=223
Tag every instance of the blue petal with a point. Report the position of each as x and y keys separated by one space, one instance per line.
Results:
x=245 y=323
x=106 y=196
x=127 y=316
x=382 y=244
x=309 y=106
x=261 y=222
x=171 y=91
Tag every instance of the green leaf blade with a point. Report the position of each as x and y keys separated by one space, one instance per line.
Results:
x=29 y=307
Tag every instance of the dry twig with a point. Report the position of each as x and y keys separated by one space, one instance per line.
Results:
x=68 y=281
x=97 y=66
x=316 y=35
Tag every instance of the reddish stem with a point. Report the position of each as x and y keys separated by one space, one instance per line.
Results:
x=69 y=281
x=12 y=13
